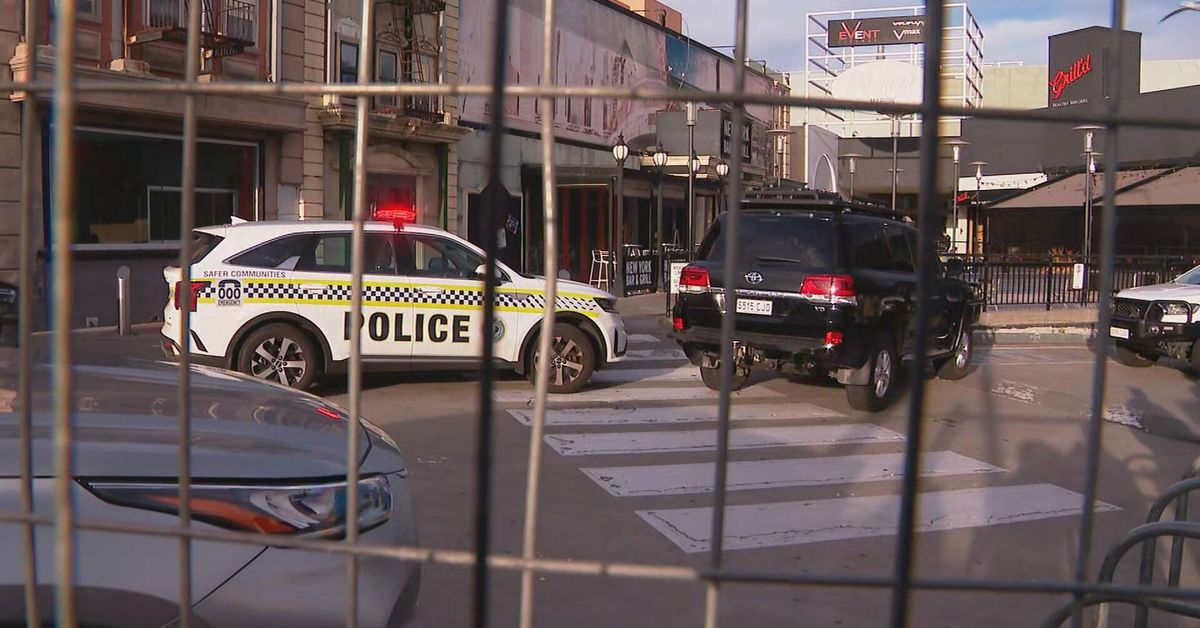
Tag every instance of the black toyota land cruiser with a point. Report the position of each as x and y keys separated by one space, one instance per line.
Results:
x=824 y=286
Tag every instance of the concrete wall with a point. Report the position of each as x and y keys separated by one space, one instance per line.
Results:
x=10 y=154
x=1024 y=87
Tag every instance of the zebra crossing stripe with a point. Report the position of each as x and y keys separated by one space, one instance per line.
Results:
x=597 y=444
x=645 y=355
x=678 y=479
x=678 y=414
x=524 y=395
x=813 y=521
x=687 y=373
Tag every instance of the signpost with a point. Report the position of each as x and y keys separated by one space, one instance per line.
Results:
x=640 y=273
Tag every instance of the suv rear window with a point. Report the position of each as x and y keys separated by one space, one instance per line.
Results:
x=777 y=237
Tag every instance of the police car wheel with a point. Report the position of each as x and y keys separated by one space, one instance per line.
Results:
x=572 y=360
x=281 y=354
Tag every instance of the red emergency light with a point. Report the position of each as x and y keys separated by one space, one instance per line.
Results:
x=398 y=215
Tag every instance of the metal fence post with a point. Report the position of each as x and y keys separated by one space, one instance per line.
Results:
x=123 y=322
x=1049 y=280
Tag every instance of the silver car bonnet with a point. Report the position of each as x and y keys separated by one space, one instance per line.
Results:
x=241 y=428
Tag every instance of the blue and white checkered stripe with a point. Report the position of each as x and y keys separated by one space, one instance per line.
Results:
x=340 y=293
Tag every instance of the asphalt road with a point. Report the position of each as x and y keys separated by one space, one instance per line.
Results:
x=814 y=485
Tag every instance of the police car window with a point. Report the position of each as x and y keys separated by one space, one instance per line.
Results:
x=283 y=253
x=327 y=253
x=866 y=246
x=440 y=257
x=330 y=253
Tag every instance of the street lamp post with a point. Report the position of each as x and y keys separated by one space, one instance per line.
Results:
x=660 y=162
x=979 y=186
x=722 y=169
x=1089 y=161
x=895 y=156
x=694 y=166
x=852 y=166
x=956 y=147
x=620 y=153
x=691 y=200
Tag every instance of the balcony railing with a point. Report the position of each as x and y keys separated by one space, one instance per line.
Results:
x=227 y=26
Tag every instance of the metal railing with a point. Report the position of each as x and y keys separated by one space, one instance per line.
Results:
x=236 y=19
x=1047 y=283
x=481 y=560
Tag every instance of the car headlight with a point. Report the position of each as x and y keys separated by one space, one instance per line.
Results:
x=1175 y=309
x=308 y=510
x=608 y=305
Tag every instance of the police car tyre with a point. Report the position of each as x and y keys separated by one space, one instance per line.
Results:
x=883 y=368
x=958 y=364
x=711 y=376
x=280 y=353
x=572 y=359
x=1131 y=358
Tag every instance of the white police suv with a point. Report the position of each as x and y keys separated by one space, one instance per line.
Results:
x=272 y=299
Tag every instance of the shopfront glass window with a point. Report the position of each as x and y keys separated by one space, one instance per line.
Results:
x=130 y=186
x=391 y=191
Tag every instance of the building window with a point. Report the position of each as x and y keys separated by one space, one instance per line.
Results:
x=348 y=62
x=88 y=9
x=164 y=13
x=129 y=186
x=239 y=19
x=388 y=71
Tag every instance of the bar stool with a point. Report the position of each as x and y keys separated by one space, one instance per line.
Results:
x=599 y=275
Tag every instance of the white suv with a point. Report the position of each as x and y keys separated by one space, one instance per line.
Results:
x=272 y=299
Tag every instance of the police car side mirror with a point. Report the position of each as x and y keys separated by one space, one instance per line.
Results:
x=481 y=272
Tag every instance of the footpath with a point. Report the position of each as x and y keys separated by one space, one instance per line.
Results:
x=1072 y=326
x=1075 y=326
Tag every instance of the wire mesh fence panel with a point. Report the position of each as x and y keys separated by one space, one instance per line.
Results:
x=346 y=88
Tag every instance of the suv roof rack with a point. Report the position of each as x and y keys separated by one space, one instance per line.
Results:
x=802 y=198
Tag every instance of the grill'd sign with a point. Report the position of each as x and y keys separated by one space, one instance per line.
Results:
x=1065 y=78
x=877 y=31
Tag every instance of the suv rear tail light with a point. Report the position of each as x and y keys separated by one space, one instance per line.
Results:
x=194 y=290
x=693 y=279
x=829 y=288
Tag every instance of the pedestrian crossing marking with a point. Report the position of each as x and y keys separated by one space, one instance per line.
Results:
x=645 y=355
x=678 y=414
x=629 y=376
x=680 y=479
x=605 y=443
x=620 y=394
x=813 y=521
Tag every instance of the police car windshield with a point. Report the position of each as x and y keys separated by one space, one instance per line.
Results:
x=1191 y=277
x=774 y=237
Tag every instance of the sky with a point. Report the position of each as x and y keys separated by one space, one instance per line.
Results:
x=1013 y=30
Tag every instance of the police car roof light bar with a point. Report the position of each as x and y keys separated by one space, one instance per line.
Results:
x=398 y=216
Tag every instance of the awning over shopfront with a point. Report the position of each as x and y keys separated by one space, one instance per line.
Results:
x=1181 y=187
x=1068 y=191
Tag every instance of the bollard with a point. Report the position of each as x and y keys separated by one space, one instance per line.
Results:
x=124 y=326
